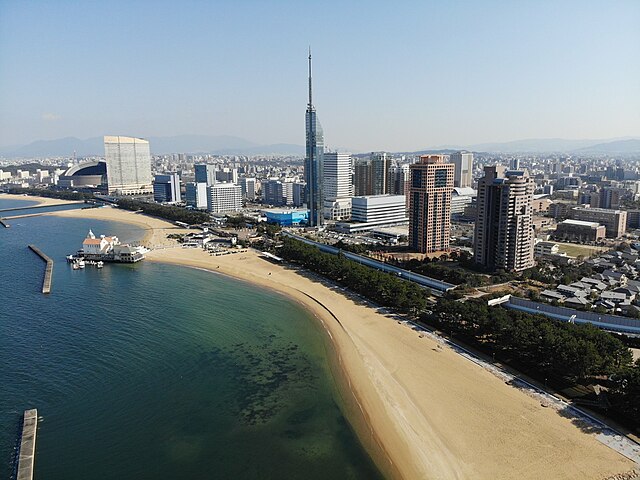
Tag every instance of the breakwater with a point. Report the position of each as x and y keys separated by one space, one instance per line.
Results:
x=27 y=454
x=48 y=272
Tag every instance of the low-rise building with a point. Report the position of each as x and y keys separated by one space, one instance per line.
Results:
x=372 y=211
x=579 y=231
x=287 y=218
x=544 y=248
x=615 y=221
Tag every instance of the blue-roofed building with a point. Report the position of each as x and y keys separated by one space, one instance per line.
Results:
x=287 y=218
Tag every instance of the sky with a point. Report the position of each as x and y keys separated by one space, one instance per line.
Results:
x=388 y=75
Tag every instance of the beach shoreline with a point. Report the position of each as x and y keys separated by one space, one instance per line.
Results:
x=40 y=201
x=425 y=411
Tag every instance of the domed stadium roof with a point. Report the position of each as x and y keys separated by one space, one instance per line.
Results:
x=97 y=167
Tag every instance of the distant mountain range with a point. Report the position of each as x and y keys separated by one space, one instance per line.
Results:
x=229 y=145
x=623 y=145
x=220 y=144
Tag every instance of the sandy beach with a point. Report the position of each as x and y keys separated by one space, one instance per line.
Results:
x=155 y=229
x=423 y=412
x=41 y=201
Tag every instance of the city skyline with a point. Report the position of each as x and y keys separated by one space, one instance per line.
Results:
x=454 y=74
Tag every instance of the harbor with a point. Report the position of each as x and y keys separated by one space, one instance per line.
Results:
x=27 y=453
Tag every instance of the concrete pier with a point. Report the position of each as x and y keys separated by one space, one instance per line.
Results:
x=4 y=224
x=27 y=454
x=48 y=272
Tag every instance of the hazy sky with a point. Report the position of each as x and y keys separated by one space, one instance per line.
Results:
x=388 y=75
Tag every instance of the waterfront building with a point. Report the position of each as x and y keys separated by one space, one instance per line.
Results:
x=128 y=162
x=313 y=164
x=224 y=197
x=379 y=173
x=89 y=174
x=615 y=221
x=205 y=173
x=99 y=246
x=430 y=204
x=108 y=249
x=504 y=236
x=338 y=185
x=248 y=186
x=463 y=176
x=166 y=188
x=196 y=195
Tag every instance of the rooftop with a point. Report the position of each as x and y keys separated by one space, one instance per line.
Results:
x=580 y=223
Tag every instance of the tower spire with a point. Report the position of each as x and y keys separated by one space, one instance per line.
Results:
x=310 y=98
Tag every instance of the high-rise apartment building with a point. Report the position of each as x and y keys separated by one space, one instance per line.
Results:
x=463 y=162
x=227 y=175
x=313 y=162
x=166 y=188
x=399 y=180
x=298 y=193
x=362 y=177
x=504 y=236
x=338 y=175
x=610 y=197
x=248 y=185
x=224 y=197
x=274 y=192
x=379 y=173
x=338 y=185
x=205 y=173
x=196 y=195
x=430 y=204
x=128 y=162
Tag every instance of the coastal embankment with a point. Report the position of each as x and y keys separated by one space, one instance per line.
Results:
x=425 y=411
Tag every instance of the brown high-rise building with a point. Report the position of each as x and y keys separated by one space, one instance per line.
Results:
x=362 y=177
x=504 y=228
x=430 y=204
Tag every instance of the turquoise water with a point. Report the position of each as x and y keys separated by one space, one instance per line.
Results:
x=151 y=371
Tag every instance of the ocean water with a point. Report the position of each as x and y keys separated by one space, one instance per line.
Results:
x=11 y=203
x=152 y=371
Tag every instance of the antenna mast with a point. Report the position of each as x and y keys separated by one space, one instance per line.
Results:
x=310 y=98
